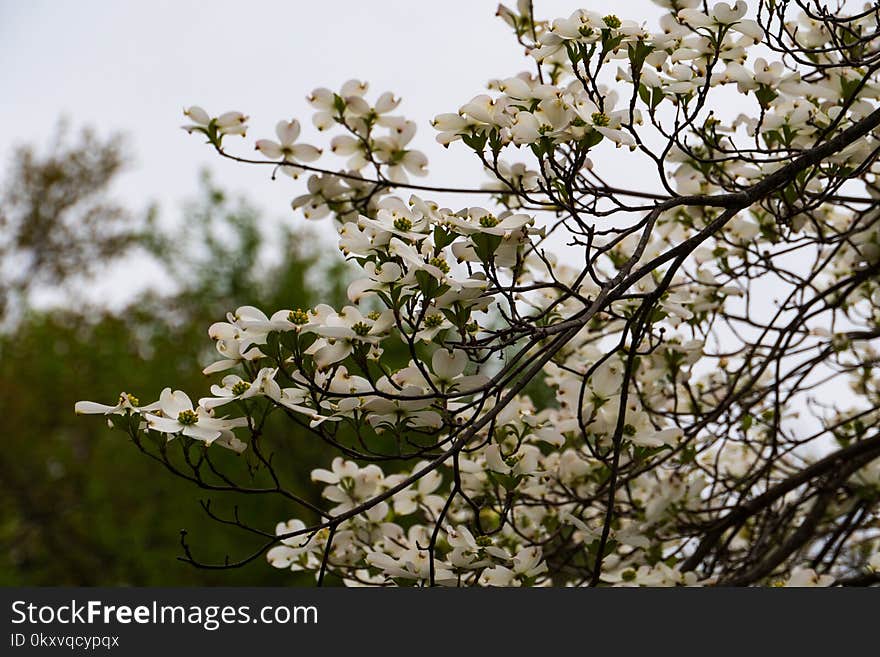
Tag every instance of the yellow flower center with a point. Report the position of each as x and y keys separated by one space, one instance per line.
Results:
x=600 y=119
x=433 y=321
x=441 y=264
x=402 y=223
x=187 y=418
x=361 y=328
x=612 y=21
x=298 y=317
x=240 y=388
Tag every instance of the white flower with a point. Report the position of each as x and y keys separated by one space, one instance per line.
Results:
x=295 y=553
x=347 y=484
x=479 y=220
x=390 y=150
x=607 y=378
x=286 y=147
x=228 y=123
x=395 y=218
x=127 y=404
x=528 y=562
x=234 y=342
x=329 y=104
x=433 y=324
x=480 y=115
x=582 y=26
x=179 y=417
x=721 y=14
x=341 y=332
x=651 y=438
x=451 y=127
x=413 y=563
x=413 y=497
x=379 y=279
x=399 y=409
x=606 y=122
x=233 y=388
x=521 y=462
x=683 y=80
x=323 y=189
x=807 y=577
x=499 y=576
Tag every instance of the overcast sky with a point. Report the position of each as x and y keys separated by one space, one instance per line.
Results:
x=133 y=66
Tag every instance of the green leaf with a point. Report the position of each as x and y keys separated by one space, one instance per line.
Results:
x=442 y=238
x=476 y=140
x=765 y=96
x=485 y=245
x=637 y=52
x=428 y=285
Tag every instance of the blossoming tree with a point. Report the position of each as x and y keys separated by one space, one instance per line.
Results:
x=685 y=394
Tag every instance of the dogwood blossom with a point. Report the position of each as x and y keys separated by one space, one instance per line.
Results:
x=286 y=147
x=644 y=407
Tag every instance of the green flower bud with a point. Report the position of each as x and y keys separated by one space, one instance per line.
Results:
x=402 y=223
x=187 y=418
x=240 y=388
x=433 y=321
x=612 y=21
x=298 y=317
x=600 y=119
x=361 y=329
x=441 y=264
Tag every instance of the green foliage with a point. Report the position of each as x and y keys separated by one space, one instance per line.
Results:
x=82 y=505
x=56 y=220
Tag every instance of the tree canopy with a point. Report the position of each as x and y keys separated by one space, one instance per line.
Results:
x=684 y=394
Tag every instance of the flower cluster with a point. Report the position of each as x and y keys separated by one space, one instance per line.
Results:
x=634 y=411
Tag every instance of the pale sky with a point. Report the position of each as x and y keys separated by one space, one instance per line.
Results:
x=133 y=66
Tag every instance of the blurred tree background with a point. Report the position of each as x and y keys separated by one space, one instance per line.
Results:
x=81 y=505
